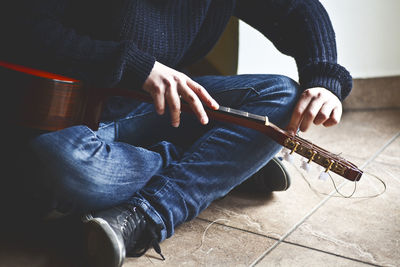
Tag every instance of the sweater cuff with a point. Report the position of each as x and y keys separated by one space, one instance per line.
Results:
x=331 y=76
x=137 y=67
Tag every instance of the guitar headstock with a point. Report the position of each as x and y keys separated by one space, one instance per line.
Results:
x=329 y=161
x=313 y=153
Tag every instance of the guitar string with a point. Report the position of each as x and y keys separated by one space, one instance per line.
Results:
x=321 y=150
x=324 y=152
x=355 y=186
x=342 y=195
x=340 y=160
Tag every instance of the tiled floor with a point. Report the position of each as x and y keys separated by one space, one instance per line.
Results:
x=307 y=225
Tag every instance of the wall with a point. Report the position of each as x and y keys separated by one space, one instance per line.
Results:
x=367 y=34
x=223 y=58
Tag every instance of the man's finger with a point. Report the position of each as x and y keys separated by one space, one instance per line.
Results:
x=310 y=113
x=202 y=93
x=193 y=100
x=324 y=114
x=297 y=115
x=159 y=100
x=174 y=104
x=334 y=118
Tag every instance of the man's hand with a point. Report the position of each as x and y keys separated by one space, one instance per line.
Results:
x=167 y=86
x=317 y=105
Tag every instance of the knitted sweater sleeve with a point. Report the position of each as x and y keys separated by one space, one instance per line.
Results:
x=301 y=29
x=66 y=50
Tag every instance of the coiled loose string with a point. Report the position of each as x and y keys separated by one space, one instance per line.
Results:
x=351 y=195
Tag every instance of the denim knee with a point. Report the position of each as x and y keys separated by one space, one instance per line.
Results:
x=281 y=87
x=90 y=173
x=290 y=88
x=280 y=94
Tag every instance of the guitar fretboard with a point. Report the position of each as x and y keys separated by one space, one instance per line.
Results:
x=244 y=114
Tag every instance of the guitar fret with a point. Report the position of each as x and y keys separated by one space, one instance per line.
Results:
x=243 y=114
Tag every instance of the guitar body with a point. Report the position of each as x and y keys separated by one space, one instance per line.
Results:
x=45 y=101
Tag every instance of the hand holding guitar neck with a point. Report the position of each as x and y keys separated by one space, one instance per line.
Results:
x=166 y=85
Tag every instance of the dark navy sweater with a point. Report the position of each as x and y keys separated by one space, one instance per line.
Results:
x=116 y=43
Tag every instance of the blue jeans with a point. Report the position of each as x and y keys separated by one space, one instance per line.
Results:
x=172 y=174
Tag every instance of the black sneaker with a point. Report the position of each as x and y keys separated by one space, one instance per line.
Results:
x=271 y=177
x=117 y=232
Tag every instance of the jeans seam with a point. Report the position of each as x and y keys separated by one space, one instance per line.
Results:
x=106 y=125
x=238 y=88
x=146 y=206
x=116 y=131
x=117 y=123
x=136 y=116
x=157 y=193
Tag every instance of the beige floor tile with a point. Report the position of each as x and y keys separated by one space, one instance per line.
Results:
x=286 y=255
x=278 y=213
x=367 y=229
x=198 y=243
x=391 y=155
x=270 y=215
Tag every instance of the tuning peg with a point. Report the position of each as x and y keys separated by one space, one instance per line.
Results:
x=287 y=155
x=305 y=166
x=324 y=176
x=285 y=151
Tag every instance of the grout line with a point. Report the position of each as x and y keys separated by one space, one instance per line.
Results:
x=379 y=152
x=237 y=228
x=391 y=140
x=373 y=157
x=330 y=253
x=286 y=242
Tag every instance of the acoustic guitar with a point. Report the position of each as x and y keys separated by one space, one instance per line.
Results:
x=46 y=101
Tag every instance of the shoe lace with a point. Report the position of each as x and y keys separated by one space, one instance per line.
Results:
x=137 y=222
x=152 y=241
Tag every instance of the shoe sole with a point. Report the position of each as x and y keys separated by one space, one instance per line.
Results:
x=286 y=175
x=103 y=247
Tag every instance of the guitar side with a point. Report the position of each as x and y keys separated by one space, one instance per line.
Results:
x=46 y=101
